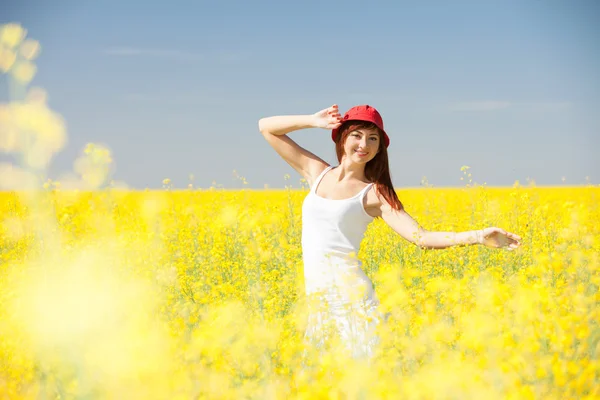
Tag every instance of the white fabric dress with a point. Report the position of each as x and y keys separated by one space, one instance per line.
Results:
x=342 y=303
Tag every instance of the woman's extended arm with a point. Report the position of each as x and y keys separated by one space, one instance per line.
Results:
x=403 y=224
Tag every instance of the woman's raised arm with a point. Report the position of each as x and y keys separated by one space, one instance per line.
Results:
x=275 y=129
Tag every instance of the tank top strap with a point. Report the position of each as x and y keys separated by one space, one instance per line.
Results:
x=318 y=180
x=363 y=192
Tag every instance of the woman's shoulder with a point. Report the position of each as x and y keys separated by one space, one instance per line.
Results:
x=376 y=202
x=315 y=170
x=373 y=201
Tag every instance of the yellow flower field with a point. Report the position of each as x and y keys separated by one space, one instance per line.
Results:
x=198 y=294
x=113 y=293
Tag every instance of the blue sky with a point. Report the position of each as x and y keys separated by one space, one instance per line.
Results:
x=510 y=88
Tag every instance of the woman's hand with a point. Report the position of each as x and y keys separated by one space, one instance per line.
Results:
x=328 y=118
x=499 y=238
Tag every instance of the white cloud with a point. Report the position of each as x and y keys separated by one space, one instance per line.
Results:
x=141 y=97
x=174 y=99
x=494 y=105
x=488 y=105
x=156 y=53
x=545 y=106
x=230 y=56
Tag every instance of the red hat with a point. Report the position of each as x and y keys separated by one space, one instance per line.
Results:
x=364 y=113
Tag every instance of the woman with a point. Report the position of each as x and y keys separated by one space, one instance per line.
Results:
x=342 y=202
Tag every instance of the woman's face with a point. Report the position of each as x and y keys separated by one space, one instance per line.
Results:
x=362 y=145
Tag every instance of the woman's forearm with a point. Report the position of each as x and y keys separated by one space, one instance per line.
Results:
x=442 y=240
x=283 y=124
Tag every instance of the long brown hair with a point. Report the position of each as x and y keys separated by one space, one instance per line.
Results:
x=377 y=170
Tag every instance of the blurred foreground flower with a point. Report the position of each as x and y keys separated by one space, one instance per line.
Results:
x=11 y=35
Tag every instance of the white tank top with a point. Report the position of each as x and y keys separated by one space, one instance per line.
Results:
x=332 y=231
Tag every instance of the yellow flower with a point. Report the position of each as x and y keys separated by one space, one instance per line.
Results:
x=11 y=35
x=7 y=58
x=24 y=71
x=30 y=49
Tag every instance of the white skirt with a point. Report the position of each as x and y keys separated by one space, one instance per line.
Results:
x=342 y=312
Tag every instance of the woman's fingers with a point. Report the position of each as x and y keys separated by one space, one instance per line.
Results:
x=514 y=240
